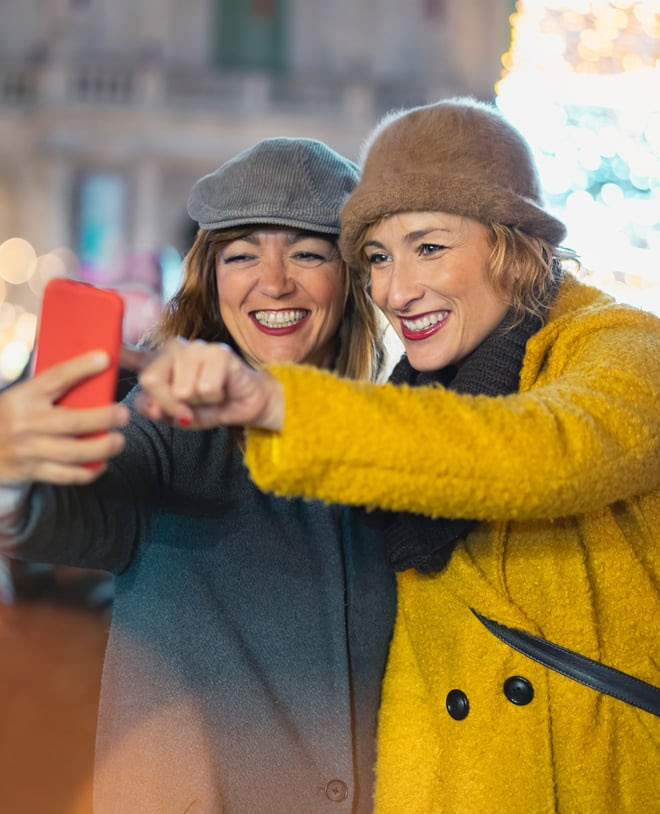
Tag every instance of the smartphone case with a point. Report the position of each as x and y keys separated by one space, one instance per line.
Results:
x=77 y=317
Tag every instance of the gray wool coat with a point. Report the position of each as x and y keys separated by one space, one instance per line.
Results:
x=248 y=638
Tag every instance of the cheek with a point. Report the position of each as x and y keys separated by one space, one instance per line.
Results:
x=230 y=295
x=221 y=287
x=330 y=294
x=488 y=310
x=226 y=312
x=230 y=313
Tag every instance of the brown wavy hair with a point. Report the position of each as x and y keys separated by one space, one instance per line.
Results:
x=194 y=312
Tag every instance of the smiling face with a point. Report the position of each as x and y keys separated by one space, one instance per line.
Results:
x=429 y=275
x=281 y=293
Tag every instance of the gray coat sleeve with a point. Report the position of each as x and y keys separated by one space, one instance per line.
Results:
x=100 y=525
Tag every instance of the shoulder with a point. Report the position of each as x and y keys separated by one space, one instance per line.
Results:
x=579 y=304
x=587 y=324
x=581 y=310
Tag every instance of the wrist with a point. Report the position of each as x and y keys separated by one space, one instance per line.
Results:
x=272 y=417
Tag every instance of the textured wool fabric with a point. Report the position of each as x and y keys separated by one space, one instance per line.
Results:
x=300 y=183
x=601 y=408
x=459 y=156
x=492 y=369
x=567 y=474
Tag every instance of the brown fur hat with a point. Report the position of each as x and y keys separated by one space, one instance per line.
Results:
x=459 y=156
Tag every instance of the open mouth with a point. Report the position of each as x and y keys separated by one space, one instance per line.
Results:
x=283 y=320
x=424 y=325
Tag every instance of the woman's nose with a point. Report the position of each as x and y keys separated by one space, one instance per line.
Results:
x=275 y=279
x=403 y=287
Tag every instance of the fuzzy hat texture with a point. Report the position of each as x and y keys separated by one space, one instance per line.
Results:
x=459 y=156
x=281 y=181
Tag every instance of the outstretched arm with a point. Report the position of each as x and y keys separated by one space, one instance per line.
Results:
x=585 y=435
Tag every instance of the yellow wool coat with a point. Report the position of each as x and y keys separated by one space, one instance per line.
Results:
x=566 y=476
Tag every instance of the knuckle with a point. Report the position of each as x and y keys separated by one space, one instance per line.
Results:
x=206 y=386
x=148 y=378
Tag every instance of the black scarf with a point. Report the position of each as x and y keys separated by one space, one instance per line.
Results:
x=492 y=369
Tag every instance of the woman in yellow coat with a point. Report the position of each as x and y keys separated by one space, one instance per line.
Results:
x=514 y=469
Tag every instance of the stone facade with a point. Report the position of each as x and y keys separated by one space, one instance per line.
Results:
x=155 y=93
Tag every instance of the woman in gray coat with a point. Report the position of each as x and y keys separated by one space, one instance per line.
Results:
x=249 y=632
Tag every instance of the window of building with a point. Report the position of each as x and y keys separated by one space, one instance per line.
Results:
x=250 y=34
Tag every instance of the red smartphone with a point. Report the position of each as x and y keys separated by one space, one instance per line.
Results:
x=75 y=318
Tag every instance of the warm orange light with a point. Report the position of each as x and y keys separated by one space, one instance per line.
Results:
x=597 y=36
x=16 y=256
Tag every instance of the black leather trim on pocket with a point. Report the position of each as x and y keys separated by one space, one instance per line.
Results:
x=591 y=673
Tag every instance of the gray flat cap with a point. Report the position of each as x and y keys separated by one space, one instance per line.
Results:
x=295 y=182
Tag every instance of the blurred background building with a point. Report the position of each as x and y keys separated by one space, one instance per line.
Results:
x=110 y=110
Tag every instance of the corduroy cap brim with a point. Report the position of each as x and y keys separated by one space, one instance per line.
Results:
x=296 y=182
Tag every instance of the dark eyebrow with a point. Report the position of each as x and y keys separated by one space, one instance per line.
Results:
x=411 y=237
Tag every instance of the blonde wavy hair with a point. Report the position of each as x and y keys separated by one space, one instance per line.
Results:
x=521 y=269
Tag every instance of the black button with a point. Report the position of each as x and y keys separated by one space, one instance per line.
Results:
x=458 y=705
x=336 y=790
x=518 y=690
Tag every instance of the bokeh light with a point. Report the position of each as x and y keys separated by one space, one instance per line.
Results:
x=8 y=313
x=23 y=273
x=16 y=260
x=582 y=83
x=13 y=358
x=28 y=274
x=25 y=328
x=45 y=268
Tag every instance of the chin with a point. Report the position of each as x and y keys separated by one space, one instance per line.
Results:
x=284 y=357
x=425 y=363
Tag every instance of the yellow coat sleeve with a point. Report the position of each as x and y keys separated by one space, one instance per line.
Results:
x=583 y=432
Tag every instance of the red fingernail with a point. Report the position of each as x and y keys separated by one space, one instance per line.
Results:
x=184 y=421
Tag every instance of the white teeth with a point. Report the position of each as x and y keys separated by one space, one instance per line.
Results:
x=424 y=322
x=279 y=319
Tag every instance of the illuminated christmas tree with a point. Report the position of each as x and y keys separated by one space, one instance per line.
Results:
x=582 y=82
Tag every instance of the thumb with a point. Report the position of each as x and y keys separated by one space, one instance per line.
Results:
x=56 y=380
